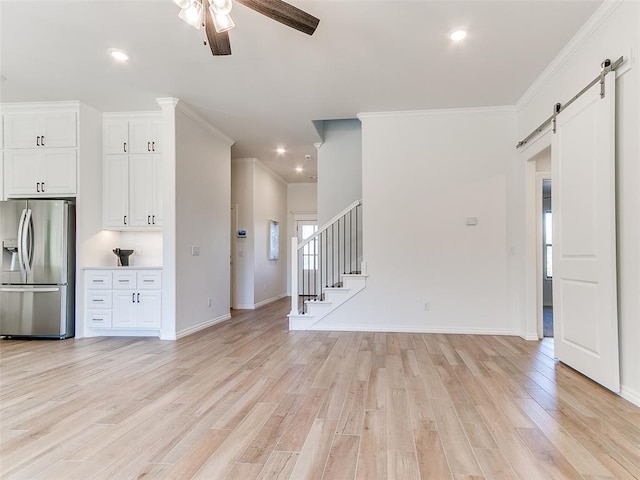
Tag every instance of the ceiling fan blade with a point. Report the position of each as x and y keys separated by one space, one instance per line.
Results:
x=218 y=42
x=284 y=13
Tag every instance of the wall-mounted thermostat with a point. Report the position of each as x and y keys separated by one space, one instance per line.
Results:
x=242 y=234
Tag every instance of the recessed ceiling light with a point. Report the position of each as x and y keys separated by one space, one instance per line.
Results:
x=299 y=169
x=281 y=150
x=118 y=55
x=458 y=35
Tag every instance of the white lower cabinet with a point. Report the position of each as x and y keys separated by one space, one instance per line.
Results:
x=123 y=299
x=136 y=309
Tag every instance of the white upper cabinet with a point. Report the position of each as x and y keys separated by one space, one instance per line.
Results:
x=132 y=171
x=115 y=138
x=40 y=129
x=48 y=172
x=116 y=191
x=137 y=134
x=145 y=135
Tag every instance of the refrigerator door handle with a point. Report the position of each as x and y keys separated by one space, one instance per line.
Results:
x=27 y=242
x=29 y=289
x=20 y=243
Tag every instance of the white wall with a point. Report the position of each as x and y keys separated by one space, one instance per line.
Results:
x=302 y=204
x=339 y=167
x=242 y=196
x=447 y=166
x=260 y=195
x=270 y=203
x=202 y=219
x=93 y=244
x=612 y=32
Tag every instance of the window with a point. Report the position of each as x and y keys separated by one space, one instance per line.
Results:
x=548 y=236
x=310 y=250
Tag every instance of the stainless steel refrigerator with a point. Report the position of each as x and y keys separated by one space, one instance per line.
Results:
x=37 y=244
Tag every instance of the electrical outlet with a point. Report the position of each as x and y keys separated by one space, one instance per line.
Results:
x=427 y=306
x=209 y=302
x=195 y=251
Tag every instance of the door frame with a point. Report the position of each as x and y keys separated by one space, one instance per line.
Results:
x=540 y=177
x=233 y=255
x=533 y=235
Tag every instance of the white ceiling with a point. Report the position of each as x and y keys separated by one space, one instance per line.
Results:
x=365 y=56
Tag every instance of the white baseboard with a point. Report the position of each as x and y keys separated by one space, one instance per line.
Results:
x=90 y=332
x=244 y=306
x=269 y=300
x=628 y=394
x=248 y=306
x=202 y=326
x=410 y=329
x=532 y=337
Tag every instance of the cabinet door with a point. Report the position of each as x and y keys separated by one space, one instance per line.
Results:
x=158 y=189
x=58 y=129
x=115 y=136
x=156 y=139
x=2 y=176
x=141 y=190
x=58 y=172
x=149 y=309
x=21 y=130
x=21 y=174
x=124 y=309
x=40 y=129
x=142 y=135
x=116 y=191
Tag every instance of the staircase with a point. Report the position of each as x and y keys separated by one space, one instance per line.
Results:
x=326 y=269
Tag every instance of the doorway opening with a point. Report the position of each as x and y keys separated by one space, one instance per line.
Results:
x=547 y=259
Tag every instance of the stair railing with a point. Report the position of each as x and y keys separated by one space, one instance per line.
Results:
x=318 y=262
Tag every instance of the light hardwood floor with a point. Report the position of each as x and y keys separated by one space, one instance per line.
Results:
x=248 y=400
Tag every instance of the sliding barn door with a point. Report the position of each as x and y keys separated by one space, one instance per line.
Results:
x=584 y=237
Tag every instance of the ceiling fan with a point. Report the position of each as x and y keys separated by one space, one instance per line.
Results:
x=214 y=16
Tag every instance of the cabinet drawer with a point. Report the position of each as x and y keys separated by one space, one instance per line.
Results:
x=124 y=280
x=99 y=319
x=99 y=280
x=99 y=299
x=151 y=280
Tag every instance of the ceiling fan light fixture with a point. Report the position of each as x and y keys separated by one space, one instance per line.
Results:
x=222 y=23
x=192 y=14
x=221 y=7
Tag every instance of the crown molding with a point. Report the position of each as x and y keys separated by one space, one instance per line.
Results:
x=167 y=101
x=40 y=105
x=595 y=21
x=196 y=117
x=264 y=166
x=439 y=112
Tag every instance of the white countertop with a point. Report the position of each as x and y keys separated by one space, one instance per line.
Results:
x=130 y=267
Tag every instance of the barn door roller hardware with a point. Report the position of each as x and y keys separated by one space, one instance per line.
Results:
x=605 y=68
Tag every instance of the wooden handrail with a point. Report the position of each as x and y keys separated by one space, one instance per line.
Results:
x=329 y=223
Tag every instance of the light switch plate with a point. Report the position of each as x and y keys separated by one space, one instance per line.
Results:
x=195 y=251
x=472 y=220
